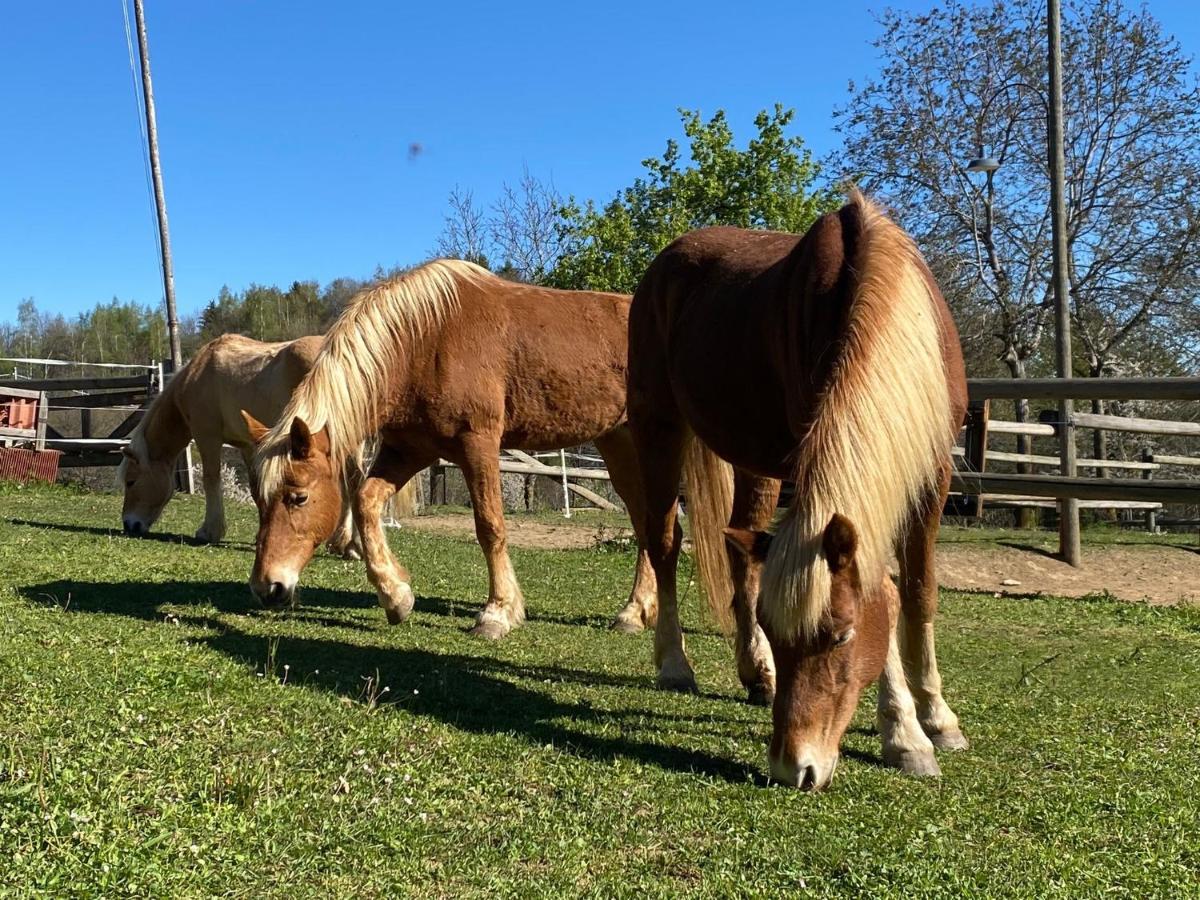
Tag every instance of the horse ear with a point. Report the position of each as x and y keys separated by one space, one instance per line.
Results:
x=839 y=542
x=753 y=545
x=301 y=439
x=257 y=429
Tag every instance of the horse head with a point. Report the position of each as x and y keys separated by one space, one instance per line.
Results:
x=821 y=675
x=297 y=510
x=148 y=485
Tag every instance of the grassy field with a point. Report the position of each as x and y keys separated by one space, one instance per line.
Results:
x=161 y=736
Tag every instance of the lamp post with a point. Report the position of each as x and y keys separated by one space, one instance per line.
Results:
x=1068 y=508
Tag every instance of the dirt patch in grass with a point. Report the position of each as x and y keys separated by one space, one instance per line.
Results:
x=1159 y=574
x=574 y=534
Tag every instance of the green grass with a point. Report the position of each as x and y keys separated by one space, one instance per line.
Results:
x=159 y=736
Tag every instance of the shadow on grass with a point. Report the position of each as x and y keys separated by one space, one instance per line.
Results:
x=475 y=694
x=142 y=599
x=163 y=537
x=472 y=693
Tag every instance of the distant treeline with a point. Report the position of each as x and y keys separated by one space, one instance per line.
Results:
x=124 y=331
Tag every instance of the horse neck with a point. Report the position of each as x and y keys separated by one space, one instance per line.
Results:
x=164 y=429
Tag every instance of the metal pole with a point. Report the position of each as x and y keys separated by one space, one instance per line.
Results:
x=160 y=201
x=1068 y=509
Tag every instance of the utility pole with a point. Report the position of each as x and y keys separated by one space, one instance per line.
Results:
x=183 y=467
x=1068 y=508
x=159 y=200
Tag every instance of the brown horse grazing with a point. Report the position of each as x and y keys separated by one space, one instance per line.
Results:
x=830 y=359
x=446 y=360
x=203 y=403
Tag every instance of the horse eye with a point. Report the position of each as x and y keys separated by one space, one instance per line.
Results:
x=844 y=638
x=299 y=499
x=129 y=483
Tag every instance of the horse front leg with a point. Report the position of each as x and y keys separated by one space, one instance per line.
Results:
x=919 y=603
x=620 y=456
x=505 y=608
x=905 y=744
x=390 y=579
x=213 y=528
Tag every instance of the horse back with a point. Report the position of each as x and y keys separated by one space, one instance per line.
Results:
x=232 y=373
x=544 y=367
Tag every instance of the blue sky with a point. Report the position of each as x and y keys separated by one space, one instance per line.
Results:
x=285 y=126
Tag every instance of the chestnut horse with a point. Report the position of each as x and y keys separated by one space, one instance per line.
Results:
x=830 y=359
x=202 y=403
x=446 y=360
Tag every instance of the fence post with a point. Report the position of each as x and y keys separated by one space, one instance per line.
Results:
x=1151 y=515
x=437 y=484
x=562 y=461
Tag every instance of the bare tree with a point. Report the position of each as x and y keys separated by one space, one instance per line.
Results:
x=517 y=234
x=964 y=81
x=464 y=232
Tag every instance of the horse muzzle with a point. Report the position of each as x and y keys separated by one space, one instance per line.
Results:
x=275 y=594
x=807 y=770
x=135 y=527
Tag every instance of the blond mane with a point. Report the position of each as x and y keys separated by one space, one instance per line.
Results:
x=881 y=430
x=358 y=358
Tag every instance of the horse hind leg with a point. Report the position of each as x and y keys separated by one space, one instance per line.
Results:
x=505 y=608
x=754 y=502
x=660 y=442
x=620 y=456
x=345 y=541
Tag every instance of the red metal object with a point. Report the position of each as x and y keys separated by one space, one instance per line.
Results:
x=18 y=412
x=28 y=465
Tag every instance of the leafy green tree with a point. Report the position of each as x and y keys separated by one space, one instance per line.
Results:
x=772 y=183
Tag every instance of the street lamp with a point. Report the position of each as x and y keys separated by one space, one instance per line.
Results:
x=983 y=163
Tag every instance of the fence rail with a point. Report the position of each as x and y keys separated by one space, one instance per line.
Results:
x=1026 y=489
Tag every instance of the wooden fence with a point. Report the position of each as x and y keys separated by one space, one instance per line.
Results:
x=1145 y=492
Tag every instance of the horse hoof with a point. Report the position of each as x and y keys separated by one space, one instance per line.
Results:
x=913 y=762
x=627 y=625
x=949 y=740
x=204 y=537
x=491 y=629
x=679 y=682
x=760 y=695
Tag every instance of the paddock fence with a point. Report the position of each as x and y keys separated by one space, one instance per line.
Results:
x=87 y=418
x=1135 y=485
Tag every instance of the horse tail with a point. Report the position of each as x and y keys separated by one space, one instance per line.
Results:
x=708 y=483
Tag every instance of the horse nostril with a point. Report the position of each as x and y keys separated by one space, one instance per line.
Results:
x=808 y=778
x=133 y=528
x=278 y=593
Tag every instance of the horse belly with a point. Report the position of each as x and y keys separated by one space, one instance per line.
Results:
x=549 y=413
